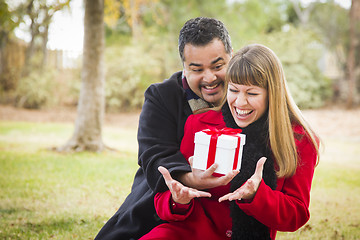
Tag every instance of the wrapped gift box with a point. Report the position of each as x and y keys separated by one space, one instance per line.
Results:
x=223 y=147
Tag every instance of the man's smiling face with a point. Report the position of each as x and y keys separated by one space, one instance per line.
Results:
x=205 y=68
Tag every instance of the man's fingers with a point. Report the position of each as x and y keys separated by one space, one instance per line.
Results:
x=208 y=172
x=191 y=160
x=229 y=176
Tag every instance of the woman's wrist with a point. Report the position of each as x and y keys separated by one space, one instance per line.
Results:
x=178 y=208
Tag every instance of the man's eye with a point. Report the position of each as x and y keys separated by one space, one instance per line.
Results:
x=219 y=66
x=197 y=70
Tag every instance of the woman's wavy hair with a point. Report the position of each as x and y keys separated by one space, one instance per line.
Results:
x=258 y=65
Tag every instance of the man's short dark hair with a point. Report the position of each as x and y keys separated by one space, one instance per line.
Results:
x=201 y=31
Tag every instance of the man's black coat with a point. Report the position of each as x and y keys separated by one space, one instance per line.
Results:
x=161 y=128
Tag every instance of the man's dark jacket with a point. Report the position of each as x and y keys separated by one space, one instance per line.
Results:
x=161 y=128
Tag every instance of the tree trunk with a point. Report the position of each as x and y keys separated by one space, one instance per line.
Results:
x=5 y=84
x=90 y=113
x=30 y=50
x=44 y=49
x=135 y=26
x=304 y=14
x=351 y=55
x=45 y=37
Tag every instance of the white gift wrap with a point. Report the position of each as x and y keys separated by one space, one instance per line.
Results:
x=225 y=151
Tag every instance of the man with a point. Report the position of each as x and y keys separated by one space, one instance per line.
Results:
x=205 y=50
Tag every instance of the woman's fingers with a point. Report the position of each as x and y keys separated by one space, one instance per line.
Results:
x=250 y=187
x=179 y=192
x=260 y=167
x=165 y=173
x=231 y=196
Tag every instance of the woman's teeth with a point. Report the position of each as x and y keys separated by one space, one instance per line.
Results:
x=242 y=112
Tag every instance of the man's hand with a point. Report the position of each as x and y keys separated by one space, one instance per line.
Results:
x=180 y=193
x=201 y=180
x=250 y=187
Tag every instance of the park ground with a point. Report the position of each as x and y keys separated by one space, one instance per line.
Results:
x=48 y=195
x=330 y=121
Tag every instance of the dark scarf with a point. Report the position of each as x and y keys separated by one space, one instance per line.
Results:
x=256 y=146
x=196 y=103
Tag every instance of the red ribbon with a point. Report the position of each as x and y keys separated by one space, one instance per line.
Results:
x=215 y=133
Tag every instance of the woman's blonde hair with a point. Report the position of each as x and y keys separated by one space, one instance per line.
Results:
x=258 y=65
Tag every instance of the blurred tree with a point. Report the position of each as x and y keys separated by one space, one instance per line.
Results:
x=7 y=26
x=149 y=61
x=176 y=13
x=90 y=113
x=299 y=51
x=354 y=18
x=130 y=12
x=332 y=23
x=249 y=20
x=133 y=65
x=303 y=14
x=112 y=12
x=40 y=13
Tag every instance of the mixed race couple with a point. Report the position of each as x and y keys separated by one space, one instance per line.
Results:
x=218 y=88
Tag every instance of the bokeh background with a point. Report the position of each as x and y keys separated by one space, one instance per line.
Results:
x=50 y=194
x=41 y=47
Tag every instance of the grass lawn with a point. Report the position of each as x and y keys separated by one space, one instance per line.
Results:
x=49 y=195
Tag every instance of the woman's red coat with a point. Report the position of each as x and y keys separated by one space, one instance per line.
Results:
x=285 y=209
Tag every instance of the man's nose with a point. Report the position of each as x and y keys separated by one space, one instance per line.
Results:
x=209 y=76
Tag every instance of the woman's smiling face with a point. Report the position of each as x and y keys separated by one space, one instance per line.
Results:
x=247 y=103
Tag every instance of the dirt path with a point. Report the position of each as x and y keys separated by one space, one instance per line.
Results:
x=335 y=122
x=327 y=122
x=9 y=113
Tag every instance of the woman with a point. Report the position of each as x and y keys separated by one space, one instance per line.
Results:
x=253 y=205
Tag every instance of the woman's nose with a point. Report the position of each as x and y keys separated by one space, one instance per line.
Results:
x=241 y=99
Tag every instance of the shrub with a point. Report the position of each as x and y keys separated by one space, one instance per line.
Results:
x=36 y=90
x=300 y=51
x=130 y=70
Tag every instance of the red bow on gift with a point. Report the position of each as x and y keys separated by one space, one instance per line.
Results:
x=215 y=133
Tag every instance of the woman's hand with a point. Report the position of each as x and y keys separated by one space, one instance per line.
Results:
x=180 y=193
x=200 y=179
x=250 y=187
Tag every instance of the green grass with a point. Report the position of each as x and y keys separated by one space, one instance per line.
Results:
x=335 y=195
x=49 y=195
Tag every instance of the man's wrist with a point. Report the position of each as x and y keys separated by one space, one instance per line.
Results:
x=184 y=178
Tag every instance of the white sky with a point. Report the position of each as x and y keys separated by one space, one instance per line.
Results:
x=343 y=3
x=67 y=30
